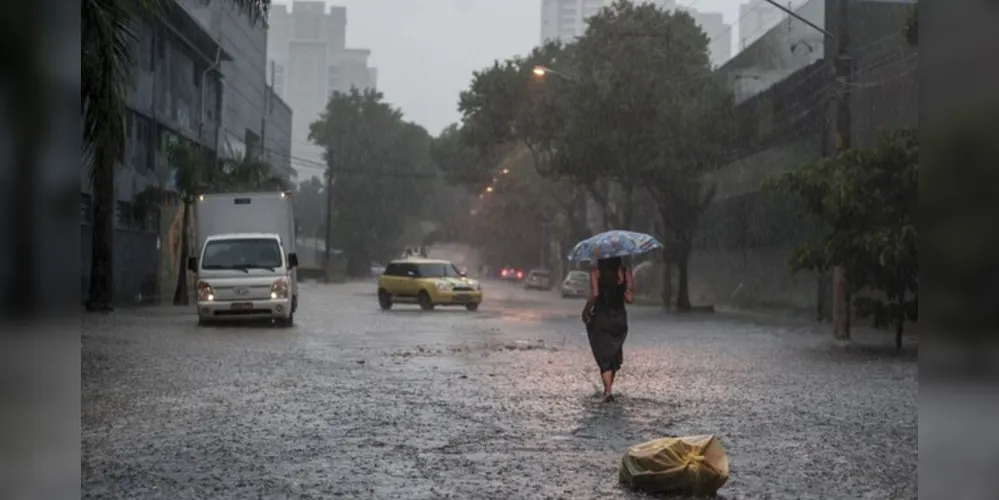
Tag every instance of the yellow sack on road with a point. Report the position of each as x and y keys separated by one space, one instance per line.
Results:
x=695 y=465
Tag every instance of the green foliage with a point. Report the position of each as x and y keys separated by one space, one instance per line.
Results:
x=381 y=168
x=310 y=207
x=460 y=162
x=866 y=201
x=627 y=104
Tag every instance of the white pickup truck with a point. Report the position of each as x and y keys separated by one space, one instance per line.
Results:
x=246 y=258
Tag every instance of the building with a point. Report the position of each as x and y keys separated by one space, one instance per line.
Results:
x=277 y=134
x=756 y=17
x=783 y=87
x=307 y=46
x=174 y=97
x=245 y=93
x=566 y=19
x=713 y=25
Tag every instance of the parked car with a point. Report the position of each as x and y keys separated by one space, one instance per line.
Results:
x=538 y=279
x=429 y=283
x=511 y=274
x=576 y=284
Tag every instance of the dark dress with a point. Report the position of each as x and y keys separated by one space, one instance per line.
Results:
x=609 y=325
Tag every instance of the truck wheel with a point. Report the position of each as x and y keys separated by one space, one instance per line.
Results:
x=425 y=303
x=472 y=307
x=384 y=300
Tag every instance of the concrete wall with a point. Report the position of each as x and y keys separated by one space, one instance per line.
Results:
x=740 y=256
x=277 y=138
x=134 y=265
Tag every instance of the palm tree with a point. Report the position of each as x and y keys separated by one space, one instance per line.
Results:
x=249 y=172
x=107 y=28
x=198 y=172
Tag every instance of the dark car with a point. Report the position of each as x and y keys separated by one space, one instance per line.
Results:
x=538 y=279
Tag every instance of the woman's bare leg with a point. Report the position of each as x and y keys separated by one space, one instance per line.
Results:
x=608 y=379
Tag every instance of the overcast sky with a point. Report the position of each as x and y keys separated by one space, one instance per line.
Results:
x=426 y=50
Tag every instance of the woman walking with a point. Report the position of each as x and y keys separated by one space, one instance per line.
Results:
x=611 y=286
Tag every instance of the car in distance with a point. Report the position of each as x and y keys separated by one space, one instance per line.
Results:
x=538 y=279
x=576 y=284
x=427 y=282
x=511 y=274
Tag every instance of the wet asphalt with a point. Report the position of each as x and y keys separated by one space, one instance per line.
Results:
x=354 y=402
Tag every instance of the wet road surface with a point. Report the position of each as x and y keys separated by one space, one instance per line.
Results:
x=354 y=402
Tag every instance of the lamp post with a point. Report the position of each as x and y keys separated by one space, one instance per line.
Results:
x=542 y=71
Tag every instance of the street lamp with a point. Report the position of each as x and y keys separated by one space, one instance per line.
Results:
x=541 y=71
x=489 y=189
x=506 y=171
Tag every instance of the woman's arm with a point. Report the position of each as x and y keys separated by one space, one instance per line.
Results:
x=629 y=292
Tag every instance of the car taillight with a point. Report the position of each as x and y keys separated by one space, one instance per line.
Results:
x=503 y=273
x=520 y=274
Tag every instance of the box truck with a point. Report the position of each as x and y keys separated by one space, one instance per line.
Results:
x=245 y=261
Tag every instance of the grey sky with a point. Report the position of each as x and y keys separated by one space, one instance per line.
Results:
x=426 y=50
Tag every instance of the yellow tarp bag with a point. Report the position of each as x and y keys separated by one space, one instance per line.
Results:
x=695 y=465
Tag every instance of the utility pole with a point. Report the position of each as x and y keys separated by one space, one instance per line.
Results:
x=840 y=141
x=333 y=159
x=268 y=88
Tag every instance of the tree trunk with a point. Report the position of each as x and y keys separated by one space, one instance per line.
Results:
x=682 y=292
x=667 y=292
x=100 y=295
x=900 y=323
x=180 y=295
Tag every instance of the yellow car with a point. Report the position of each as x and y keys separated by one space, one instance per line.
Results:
x=429 y=283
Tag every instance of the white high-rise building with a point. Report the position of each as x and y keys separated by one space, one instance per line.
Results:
x=566 y=19
x=308 y=61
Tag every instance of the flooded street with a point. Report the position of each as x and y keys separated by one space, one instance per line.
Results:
x=502 y=403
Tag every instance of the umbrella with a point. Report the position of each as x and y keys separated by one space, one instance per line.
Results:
x=615 y=243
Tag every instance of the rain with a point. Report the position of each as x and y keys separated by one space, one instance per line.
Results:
x=498 y=250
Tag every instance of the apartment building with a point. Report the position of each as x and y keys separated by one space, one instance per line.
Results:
x=307 y=47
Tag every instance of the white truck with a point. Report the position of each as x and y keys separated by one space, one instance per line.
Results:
x=246 y=258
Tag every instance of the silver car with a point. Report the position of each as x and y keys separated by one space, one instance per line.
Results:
x=576 y=284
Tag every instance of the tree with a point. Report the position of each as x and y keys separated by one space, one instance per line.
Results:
x=107 y=61
x=380 y=167
x=310 y=207
x=197 y=172
x=644 y=114
x=866 y=201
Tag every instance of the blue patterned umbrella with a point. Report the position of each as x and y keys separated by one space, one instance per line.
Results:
x=615 y=243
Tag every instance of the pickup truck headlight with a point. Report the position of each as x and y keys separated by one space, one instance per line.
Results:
x=205 y=292
x=279 y=290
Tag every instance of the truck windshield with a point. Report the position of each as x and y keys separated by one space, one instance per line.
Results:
x=243 y=254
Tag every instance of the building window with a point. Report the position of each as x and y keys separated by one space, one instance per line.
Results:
x=86 y=209
x=143 y=145
x=152 y=220
x=123 y=214
x=252 y=142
